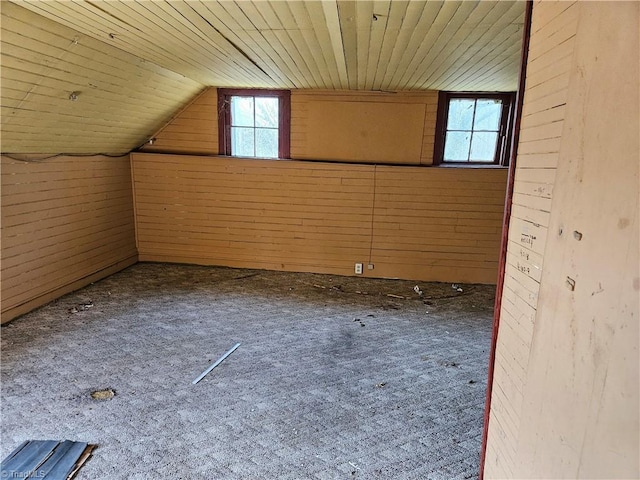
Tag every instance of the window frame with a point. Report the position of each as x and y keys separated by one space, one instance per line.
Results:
x=284 y=118
x=505 y=133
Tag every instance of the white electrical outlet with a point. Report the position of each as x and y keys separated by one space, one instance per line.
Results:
x=358 y=269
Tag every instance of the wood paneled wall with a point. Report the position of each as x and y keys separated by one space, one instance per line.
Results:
x=355 y=127
x=565 y=389
x=373 y=127
x=553 y=31
x=440 y=224
x=66 y=221
x=193 y=130
x=409 y=222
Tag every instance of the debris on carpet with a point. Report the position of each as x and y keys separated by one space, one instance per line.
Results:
x=81 y=307
x=46 y=459
x=103 y=394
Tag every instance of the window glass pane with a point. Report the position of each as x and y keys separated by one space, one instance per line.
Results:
x=456 y=147
x=266 y=143
x=267 y=112
x=488 y=112
x=242 y=111
x=460 y=114
x=483 y=146
x=242 y=142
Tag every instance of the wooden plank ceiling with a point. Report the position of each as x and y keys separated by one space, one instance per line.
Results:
x=133 y=58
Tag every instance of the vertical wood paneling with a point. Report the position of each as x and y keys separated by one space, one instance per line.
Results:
x=66 y=221
x=422 y=223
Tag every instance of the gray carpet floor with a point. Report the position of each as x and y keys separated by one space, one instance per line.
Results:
x=335 y=378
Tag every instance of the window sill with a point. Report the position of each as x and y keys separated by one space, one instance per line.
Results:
x=238 y=157
x=471 y=165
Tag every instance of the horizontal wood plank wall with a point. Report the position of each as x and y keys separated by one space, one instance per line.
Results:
x=193 y=130
x=66 y=222
x=426 y=223
x=553 y=31
x=439 y=224
x=252 y=213
x=304 y=133
x=580 y=412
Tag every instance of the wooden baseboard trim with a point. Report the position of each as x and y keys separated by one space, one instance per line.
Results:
x=15 y=311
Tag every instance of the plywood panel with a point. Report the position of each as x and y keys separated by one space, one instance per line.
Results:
x=581 y=390
x=320 y=217
x=66 y=221
x=370 y=127
x=565 y=394
x=365 y=132
x=551 y=48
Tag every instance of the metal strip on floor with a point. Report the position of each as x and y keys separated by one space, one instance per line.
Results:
x=45 y=459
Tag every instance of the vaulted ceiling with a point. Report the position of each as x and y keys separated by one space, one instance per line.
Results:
x=101 y=76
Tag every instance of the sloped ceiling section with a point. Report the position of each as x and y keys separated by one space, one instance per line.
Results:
x=137 y=60
x=355 y=44
x=65 y=92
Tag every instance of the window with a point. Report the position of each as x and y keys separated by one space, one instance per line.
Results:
x=254 y=123
x=473 y=128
